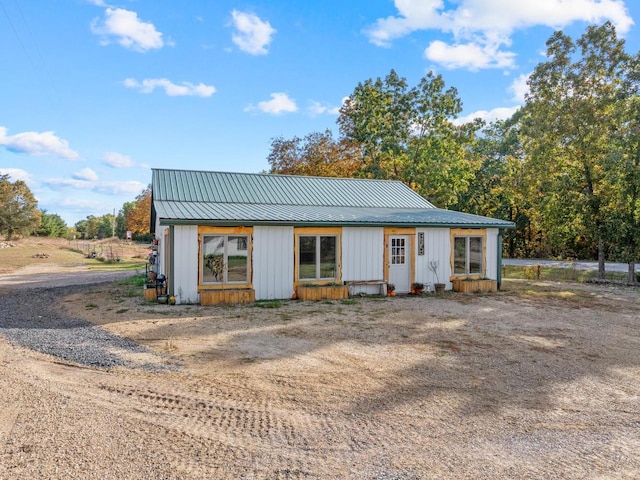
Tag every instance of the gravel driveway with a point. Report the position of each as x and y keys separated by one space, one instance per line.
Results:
x=540 y=380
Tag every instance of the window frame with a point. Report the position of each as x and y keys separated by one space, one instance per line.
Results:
x=317 y=232
x=468 y=254
x=205 y=232
x=317 y=257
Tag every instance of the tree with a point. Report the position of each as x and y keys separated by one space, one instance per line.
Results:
x=138 y=218
x=408 y=134
x=51 y=225
x=571 y=116
x=377 y=116
x=19 y=214
x=317 y=154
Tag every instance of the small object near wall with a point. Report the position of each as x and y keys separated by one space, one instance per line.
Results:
x=322 y=292
x=470 y=285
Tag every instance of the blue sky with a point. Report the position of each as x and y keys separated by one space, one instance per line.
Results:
x=94 y=93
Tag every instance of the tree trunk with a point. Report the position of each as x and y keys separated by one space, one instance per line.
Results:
x=631 y=273
x=601 y=269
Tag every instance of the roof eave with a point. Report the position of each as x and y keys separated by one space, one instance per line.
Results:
x=276 y=223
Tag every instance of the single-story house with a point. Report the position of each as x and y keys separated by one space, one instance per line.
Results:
x=263 y=236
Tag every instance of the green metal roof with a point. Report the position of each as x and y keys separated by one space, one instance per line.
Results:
x=217 y=198
x=266 y=189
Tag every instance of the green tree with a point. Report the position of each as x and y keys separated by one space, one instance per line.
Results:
x=19 y=214
x=378 y=117
x=51 y=225
x=409 y=134
x=138 y=218
x=571 y=116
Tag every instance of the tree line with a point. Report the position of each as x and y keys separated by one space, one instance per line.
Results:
x=20 y=216
x=565 y=168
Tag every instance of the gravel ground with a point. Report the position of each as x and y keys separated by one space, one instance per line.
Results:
x=538 y=381
x=32 y=322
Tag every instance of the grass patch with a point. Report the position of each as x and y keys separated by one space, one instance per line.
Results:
x=349 y=301
x=122 y=310
x=90 y=306
x=269 y=303
x=556 y=274
x=136 y=281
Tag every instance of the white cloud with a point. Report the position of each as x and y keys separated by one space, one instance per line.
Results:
x=279 y=103
x=37 y=144
x=110 y=188
x=148 y=85
x=472 y=56
x=484 y=27
x=86 y=174
x=119 y=188
x=519 y=87
x=251 y=34
x=16 y=174
x=128 y=30
x=117 y=160
x=501 y=113
x=319 y=108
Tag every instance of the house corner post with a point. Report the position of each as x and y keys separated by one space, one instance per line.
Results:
x=499 y=258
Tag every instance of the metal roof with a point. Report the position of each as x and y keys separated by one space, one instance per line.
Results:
x=267 y=189
x=217 y=198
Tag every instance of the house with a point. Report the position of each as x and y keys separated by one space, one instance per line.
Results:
x=239 y=237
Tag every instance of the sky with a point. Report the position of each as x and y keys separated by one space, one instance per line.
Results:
x=94 y=93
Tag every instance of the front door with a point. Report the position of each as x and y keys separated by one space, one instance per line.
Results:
x=399 y=258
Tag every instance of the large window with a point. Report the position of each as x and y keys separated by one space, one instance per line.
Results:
x=317 y=257
x=225 y=259
x=467 y=255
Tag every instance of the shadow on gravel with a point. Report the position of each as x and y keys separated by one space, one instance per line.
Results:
x=29 y=320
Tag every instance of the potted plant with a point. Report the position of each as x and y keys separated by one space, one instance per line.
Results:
x=433 y=266
x=391 y=290
x=417 y=288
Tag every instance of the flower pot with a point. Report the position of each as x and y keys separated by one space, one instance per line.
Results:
x=439 y=287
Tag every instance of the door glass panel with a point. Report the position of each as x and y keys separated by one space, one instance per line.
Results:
x=398 y=251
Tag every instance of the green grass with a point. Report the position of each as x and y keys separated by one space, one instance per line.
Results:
x=555 y=274
x=135 y=281
x=268 y=303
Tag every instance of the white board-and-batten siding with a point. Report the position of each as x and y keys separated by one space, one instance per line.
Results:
x=273 y=261
x=185 y=264
x=491 y=268
x=363 y=257
x=437 y=248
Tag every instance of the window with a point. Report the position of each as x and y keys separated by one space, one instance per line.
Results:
x=398 y=254
x=225 y=259
x=467 y=255
x=317 y=257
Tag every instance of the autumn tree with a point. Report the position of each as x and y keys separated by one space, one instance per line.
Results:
x=571 y=117
x=317 y=154
x=19 y=214
x=137 y=218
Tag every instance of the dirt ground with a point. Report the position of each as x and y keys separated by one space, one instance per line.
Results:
x=540 y=380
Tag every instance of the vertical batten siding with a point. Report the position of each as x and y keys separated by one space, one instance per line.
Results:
x=160 y=236
x=363 y=256
x=437 y=246
x=185 y=268
x=273 y=258
x=492 y=254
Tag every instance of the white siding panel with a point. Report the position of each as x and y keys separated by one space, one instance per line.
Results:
x=185 y=268
x=492 y=253
x=273 y=262
x=363 y=256
x=437 y=248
